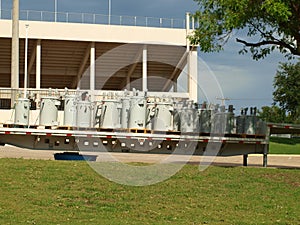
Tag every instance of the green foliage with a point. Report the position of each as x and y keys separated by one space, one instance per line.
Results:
x=286 y=141
x=273 y=114
x=275 y=24
x=56 y=192
x=287 y=86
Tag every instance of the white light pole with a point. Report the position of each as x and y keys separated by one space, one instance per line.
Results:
x=55 y=10
x=0 y=9
x=15 y=51
x=25 y=66
x=109 y=11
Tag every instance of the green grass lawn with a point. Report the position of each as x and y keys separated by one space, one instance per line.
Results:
x=284 y=145
x=58 y=192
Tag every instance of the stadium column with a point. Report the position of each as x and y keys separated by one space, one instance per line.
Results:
x=15 y=52
x=193 y=74
x=192 y=64
x=38 y=65
x=92 y=69
x=145 y=52
x=175 y=85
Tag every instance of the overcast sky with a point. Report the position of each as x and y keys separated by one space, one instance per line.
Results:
x=246 y=82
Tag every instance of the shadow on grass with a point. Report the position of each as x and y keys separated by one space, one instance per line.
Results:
x=287 y=141
x=250 y=165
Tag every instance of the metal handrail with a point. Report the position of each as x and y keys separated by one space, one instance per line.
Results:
x=88 y=18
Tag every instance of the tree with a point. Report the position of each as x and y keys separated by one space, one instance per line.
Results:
x=272 y=114
x=274 y=23
x=287 y=86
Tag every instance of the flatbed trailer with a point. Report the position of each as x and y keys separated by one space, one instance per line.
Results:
x=283 y=128
x=131 y=122
x=92 y=140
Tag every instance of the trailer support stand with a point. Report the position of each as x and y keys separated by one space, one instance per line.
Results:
x=245 y=160
x=265 y=160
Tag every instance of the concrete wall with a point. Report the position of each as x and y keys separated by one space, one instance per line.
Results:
x=96 y=32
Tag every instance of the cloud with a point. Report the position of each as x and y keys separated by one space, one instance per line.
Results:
x=245 y=81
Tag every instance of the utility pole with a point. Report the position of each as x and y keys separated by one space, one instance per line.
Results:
x=223 y=100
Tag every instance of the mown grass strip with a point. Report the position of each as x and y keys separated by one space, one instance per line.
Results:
x=57 y=192
x=284 y=145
